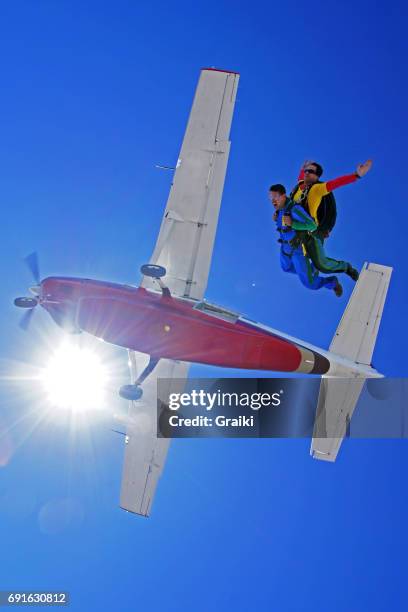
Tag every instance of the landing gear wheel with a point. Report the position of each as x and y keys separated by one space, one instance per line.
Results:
x=153 y=271
x=25 y=302
x=131 y=392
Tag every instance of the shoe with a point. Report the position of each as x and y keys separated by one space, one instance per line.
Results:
x=352 y=273
x=338 y=289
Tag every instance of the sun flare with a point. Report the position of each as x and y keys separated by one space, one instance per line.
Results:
x=75 y=379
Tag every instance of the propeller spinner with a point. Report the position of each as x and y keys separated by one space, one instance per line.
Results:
x=30 y=302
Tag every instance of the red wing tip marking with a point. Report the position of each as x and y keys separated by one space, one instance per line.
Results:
x=220 y=70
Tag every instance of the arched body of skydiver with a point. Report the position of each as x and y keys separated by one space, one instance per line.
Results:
x=292 y=219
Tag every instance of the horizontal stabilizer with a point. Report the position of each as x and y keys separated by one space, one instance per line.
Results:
x=357 y=332
x=337 y=399
x=354 y=340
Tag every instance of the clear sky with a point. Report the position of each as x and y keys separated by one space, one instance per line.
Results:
x=93 y=95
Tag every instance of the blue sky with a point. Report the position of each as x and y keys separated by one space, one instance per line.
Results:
x=93 y=96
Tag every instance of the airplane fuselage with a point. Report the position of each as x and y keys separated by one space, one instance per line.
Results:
x=172 y=328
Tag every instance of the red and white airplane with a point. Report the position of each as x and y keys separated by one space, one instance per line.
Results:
x=166 y=324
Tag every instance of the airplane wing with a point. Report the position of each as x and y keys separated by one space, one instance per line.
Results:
x=185 y=242
x=145 y=453
x=184 y=247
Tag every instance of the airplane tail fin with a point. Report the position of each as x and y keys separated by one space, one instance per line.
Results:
x=354 y=339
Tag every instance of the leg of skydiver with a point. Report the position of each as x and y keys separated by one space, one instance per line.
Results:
x=316 y=252
x=286 y=263
x=309 y=276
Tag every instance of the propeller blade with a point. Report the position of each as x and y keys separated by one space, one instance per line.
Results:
x=32 y=264
x=122 y=433
x=26 y=319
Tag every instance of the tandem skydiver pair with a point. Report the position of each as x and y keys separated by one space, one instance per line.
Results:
x=304 y=219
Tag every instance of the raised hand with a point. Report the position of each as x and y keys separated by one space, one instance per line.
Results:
x=362 y=169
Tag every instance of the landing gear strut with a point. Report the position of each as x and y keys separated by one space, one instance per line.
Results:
x=135 y=391
x=156 y=272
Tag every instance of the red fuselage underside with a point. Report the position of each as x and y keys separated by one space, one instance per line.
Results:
x=164 y=327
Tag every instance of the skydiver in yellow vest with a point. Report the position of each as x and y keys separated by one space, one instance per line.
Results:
x=310 y=192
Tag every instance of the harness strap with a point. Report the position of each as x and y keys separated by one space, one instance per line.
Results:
x=295 y=243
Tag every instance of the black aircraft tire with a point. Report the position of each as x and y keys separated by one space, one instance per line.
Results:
x=153 y=271
x=25 y=302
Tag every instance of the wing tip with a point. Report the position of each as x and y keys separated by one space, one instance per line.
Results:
x=145 y=514
x=322 y=456
x=375 y=267
x=220 y=70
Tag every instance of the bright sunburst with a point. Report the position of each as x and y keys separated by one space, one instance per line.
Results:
x=75 y=378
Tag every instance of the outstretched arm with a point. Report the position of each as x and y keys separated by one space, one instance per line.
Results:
x=361 y=170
